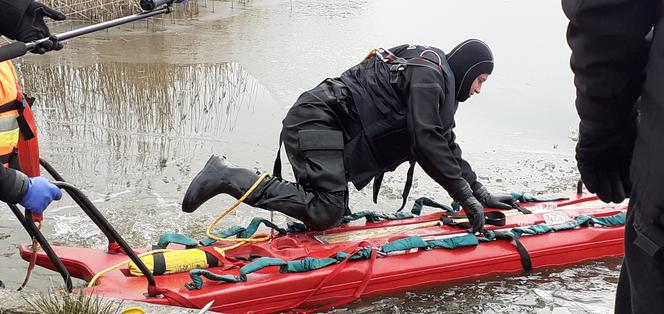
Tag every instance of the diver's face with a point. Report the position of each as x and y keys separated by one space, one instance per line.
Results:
x=476 y=87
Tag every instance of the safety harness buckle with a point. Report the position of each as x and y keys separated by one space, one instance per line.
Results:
x=394 y=72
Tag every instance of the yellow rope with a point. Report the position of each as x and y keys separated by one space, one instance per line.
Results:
x=259 y=237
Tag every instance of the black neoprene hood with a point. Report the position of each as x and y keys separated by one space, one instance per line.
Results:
x=468 y=60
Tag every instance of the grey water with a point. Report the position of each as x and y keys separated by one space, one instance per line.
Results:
x=130 y=115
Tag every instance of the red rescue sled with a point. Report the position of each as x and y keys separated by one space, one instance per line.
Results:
x=268 y=290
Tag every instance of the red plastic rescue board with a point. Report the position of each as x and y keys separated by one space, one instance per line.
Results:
x=269 y=290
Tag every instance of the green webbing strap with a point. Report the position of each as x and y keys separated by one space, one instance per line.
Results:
x=583 y=220
x=376 y=216
x=309 y=263
x=414 y=212
x=197 y=281
x=527 y=198
x=533 y=230
x=247 y=232
x=172 y=237
x=294 y=226
x=425 y=201
x=258 y=265
x=296 y=266
x=416 y=242
x=453 y=243
x=404 y=244
x=364 y=253
x=610 y=221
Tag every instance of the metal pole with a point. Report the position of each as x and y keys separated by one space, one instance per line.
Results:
x=101 y=26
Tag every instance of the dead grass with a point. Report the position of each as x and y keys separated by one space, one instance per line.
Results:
x=102 y=10
x=63 y=303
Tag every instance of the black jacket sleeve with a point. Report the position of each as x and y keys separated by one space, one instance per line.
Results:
x=11 y=14
x=466 y=170
x=609 y=55
x=13 y=185
x=430 y=138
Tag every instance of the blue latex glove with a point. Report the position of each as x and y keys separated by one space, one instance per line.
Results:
x=40 y=194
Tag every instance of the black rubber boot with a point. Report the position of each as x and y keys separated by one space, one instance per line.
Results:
x=217 y=177
x=318 y=210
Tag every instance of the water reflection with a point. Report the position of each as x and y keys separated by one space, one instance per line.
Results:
x=142 y=114
x=133 y=135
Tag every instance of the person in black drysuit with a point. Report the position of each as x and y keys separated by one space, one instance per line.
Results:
x=618 y=62
x=397 y=105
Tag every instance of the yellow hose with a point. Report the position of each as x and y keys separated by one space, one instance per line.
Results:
x=259 y=237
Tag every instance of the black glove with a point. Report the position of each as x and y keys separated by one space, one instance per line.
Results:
x=475 y=213
x=603 y=159
x=32 y=27
x=494 y=201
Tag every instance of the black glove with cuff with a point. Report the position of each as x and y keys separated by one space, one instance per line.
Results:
x=494 y=201
x=475 y=213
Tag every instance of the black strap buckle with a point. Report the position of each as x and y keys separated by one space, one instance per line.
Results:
x=394 y=71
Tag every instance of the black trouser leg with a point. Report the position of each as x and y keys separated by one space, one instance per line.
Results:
x=319 y=211
x=641 y=283
x=314 y=145
x=623 y=300
x=315 y=149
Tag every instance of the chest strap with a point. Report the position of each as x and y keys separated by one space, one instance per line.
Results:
x=20 y=105
x=276 y=169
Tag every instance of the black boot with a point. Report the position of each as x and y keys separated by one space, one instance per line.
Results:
x=318 y=210
x=217 y=178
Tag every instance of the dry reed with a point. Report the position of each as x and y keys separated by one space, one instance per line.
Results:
x=138 y=107
x=102 y=10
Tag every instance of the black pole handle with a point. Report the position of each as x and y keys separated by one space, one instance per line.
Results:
x=34 y=232
x=17 y=49
x=13 y=50
x=149 y=5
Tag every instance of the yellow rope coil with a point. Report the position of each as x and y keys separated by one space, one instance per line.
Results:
x=259 y=237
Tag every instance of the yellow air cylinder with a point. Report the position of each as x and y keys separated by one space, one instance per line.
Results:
x=177 y=262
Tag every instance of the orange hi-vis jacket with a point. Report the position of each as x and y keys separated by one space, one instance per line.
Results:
x=18 y=132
